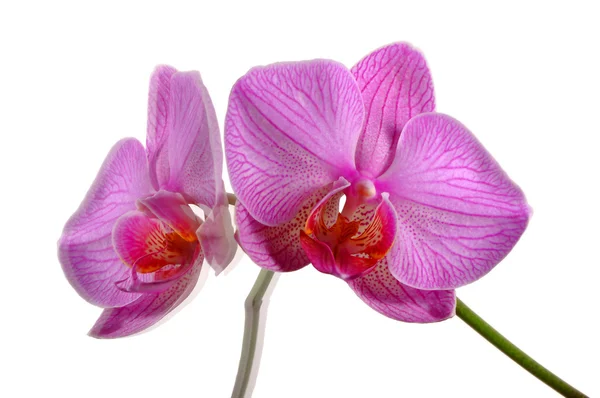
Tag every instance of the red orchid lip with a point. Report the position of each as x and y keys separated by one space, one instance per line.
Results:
x=149 y=244
x=349 y=247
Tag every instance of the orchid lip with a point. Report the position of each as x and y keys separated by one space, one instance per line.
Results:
x=349 y=244
x=149 y=245
x=163 y=279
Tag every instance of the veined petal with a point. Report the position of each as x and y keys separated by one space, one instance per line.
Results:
x=396 y=85
x=276 y=248
x=195 y=152
x=290 y=130
x=158 y=129
x=147 y=310
x=85 y=248
x=458 y=212
x=382 y=292
x=216 y=234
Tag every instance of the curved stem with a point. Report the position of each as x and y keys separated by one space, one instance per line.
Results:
x=251 y=331
x=513 y=352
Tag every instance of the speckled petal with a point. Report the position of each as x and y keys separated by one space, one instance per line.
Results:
x=396 y=85
x=158 y=129
x=147 y=310
x=382 y=292
x=195 y=152
x=276 y=248
x=290 y=130
x=85 y=248
x=458 y=212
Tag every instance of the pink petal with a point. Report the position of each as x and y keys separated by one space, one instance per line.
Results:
x=396 y=85
x=290 y=130
x=459 y=214
x=147 y=310
x=158 y=129
x=85 y=248
x=195 y=152
x=276 y=248
x=216 y=234
x=382 y=292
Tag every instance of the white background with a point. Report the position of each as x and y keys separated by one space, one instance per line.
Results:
x=524 y=77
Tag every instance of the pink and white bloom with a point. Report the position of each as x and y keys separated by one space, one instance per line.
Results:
x=135 y=246
x=427 y=209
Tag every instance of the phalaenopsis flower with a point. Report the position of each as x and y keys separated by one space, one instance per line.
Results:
x=427 y=209
x=135 y=246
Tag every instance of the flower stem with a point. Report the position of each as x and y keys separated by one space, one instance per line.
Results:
x=251 y=331
x=513 y=352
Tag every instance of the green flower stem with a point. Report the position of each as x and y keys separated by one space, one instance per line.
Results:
x=251 y=331
x=513 y=352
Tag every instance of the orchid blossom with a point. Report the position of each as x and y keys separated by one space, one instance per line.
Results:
x=135 y=246
x=427 y=209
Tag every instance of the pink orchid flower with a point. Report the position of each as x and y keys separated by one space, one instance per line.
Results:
x=427 y=209
x=135 y=246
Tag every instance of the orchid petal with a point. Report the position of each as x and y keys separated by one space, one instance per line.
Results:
x=458 y=212
x=276 y=248
x=216 y=234
x=148 y=309
x=290 y=130
x=396 y=85
x=382 y=292
x=85 y=248
x=158 y=129
x=195 y=152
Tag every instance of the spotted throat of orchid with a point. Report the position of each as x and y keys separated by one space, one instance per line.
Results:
x=158 y=242
x=427 y=209
x=349 y=244
x=135 y=246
